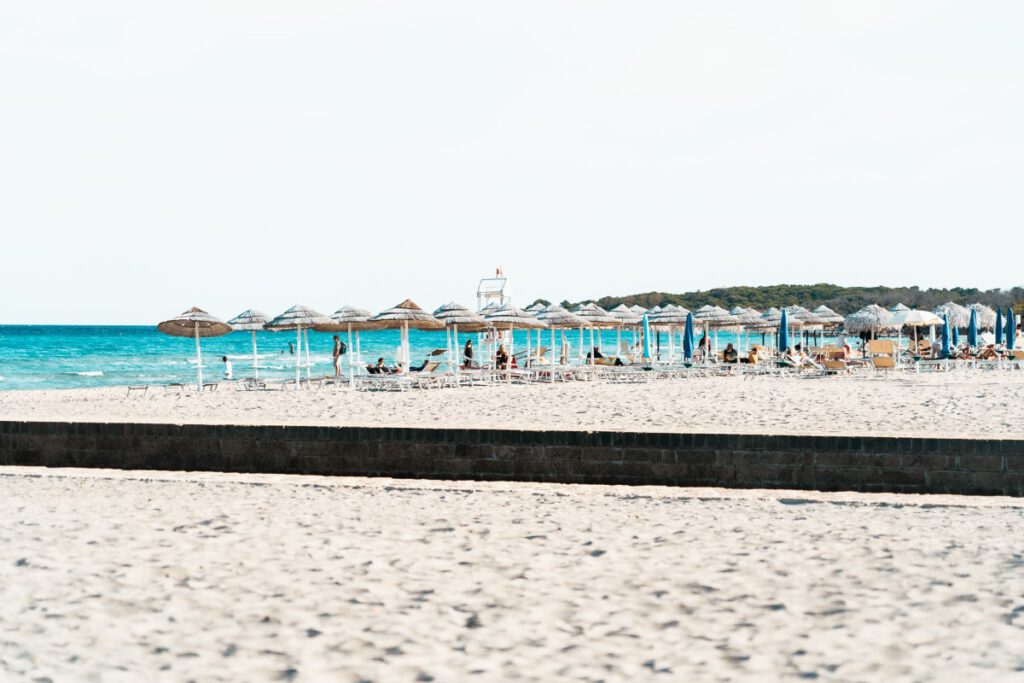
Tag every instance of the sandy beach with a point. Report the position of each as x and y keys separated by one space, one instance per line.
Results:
x=954 y=404
x=178 y=576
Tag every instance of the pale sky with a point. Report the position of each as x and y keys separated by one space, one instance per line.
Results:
x=155 y=156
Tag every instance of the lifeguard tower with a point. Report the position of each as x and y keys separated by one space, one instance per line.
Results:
x=493 y=290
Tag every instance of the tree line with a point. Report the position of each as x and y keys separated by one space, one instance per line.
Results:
x=843 y=300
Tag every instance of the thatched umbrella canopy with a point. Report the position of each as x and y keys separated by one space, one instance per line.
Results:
x=351 y=319
x=405 y=316
x=299 y=318
x=198 y=324
x=557 y=318
x=986 y=316
x=872 y=318
x=747 y=317
x=625 y=315
x=596 y=316
x=959 y=316
x=251 y=321
x=669 y=316
x=827 y=316
x=454 y=316
x=509 y=317
x=898 y=307
x=534 y=308
x=638 y=310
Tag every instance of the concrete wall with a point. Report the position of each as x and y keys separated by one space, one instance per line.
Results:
x=829 y=463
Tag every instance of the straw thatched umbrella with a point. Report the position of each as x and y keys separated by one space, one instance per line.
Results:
x=557 y=318
x=872 y=319
x=899 y=307
x=534 y=308
x=508 y=317
x=299 y=318
x=402 y=317
x=670 y=316
x=454 y=316
x=746 y=318
x=252 y=321
x=959 y=316
x=196 y=323
x=627 y=317
x=713 y=318
x=986 y=317
x=353 y=319
x=597 y=319
x=827 y=316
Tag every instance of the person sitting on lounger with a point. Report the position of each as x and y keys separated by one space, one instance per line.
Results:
x=988 y=353
x=729 y=355
x=383 y=369
x=751 y=358
x=501 y=357
x=595 y=354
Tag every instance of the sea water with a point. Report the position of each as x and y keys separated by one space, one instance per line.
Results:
x=79 y=356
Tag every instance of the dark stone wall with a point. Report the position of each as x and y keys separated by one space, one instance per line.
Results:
x=825 y=463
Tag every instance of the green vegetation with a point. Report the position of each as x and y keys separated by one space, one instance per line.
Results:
x=843 y=300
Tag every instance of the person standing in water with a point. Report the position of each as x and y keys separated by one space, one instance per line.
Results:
x=228 y=369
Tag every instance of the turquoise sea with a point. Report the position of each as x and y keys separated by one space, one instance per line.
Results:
x=68 y=357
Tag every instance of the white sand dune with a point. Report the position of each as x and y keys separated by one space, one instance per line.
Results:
x=118 y=576
x=982 y=404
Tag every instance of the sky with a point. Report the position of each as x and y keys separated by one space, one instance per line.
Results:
x=249 y=153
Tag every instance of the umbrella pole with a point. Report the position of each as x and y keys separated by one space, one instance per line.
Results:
x=298 y=355
x=351 y=360
x=306 y=334
x=255 y=358
x=199 y=359
x=405 y=346
x=527 y=348
x=455 y=335
x=581 y=346
x=511 y=351
x=552 y=366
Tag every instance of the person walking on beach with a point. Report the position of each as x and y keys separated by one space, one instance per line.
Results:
x=467 y=354
x=337 y=353
x=228 y=369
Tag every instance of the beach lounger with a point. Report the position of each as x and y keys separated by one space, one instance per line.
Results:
x=144 y=388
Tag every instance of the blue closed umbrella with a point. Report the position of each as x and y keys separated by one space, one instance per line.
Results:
x=784 y=331
x=999 y=327
x=972 y=330
x=956 y=338
x=688 y=337
x=945 y=336
x=647 y=337
x=1011 y=329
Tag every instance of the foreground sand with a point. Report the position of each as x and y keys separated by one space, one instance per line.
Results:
x=987 y=404
x=178 y=576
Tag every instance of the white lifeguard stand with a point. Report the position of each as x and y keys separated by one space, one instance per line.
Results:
x=493 y=290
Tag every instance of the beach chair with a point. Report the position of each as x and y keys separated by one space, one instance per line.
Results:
x=834 y=366
x=883 y=364
x=144 y=388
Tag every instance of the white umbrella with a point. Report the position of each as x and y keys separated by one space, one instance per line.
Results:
x=299 y=318
x=197 y=323
x=252 y=321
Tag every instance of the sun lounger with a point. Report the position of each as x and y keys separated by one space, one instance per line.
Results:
x=144 y=388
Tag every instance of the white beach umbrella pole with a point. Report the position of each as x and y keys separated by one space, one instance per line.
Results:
x=199 y=360
x=255 y=358
x=351 y=360
x=306 y=333
x=455 y=335
x=298 y=356
x=552 y=366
